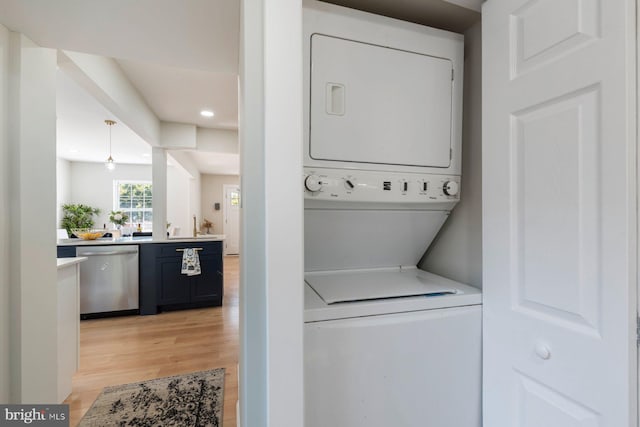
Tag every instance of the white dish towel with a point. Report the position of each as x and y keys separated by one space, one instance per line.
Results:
x=190 y=262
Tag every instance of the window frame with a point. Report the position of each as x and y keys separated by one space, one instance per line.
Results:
x=145 y=225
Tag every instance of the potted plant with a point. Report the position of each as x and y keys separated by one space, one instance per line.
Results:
x=118 y=218
x=77 y=216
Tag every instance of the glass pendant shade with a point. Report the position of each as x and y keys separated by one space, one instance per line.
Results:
x=109 y=164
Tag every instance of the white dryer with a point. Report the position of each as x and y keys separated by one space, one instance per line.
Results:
x=386 y=344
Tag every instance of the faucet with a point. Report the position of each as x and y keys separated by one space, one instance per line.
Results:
x=195 y=231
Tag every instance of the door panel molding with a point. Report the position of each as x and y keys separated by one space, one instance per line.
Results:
x=559 y=213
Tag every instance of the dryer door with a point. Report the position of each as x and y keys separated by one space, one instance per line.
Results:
x=374 y=104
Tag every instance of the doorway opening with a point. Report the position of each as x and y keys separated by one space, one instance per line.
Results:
x=231 y=219
x=178 y=340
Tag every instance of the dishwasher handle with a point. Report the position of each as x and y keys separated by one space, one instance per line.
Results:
x=106 y=253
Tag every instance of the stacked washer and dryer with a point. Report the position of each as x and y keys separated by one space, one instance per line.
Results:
x=386 y=343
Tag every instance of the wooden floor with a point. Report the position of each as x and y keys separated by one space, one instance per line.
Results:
x=137 y=348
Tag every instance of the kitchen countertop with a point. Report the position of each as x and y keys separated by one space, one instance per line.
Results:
x=140 y=240
x=66 y=262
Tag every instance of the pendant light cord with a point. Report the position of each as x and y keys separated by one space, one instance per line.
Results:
x=110 y=163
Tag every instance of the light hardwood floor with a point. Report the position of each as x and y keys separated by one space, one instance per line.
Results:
x=137 y=348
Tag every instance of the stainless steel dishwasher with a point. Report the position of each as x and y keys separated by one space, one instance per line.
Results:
x=108 y=279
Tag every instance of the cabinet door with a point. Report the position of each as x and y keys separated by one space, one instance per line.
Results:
x=173 y=286
x=208 y=285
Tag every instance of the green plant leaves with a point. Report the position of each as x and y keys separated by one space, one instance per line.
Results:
x=77 y=216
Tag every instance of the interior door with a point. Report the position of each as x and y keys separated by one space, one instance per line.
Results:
x=559 y=201
x=232 y=219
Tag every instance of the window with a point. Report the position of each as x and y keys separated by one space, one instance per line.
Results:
x=234 y=196
x=135 y=199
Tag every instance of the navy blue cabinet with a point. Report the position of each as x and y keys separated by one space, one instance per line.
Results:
x=66 y=251
x=164 y=287
x=208 y=285
x=173 y=286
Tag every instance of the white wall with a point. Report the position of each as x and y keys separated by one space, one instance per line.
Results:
x=186 y=163
x=63 y=186
x=217 y=140
x=4 y=220
x=271 y=265
x=457 y=251
x=195 y=204
x=32 y=237
x=213 y=192
x=159 y=183
x=179 y=197
x=92 y=184
x=177 y=135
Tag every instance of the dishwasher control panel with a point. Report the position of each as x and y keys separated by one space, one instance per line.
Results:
x=379 y=187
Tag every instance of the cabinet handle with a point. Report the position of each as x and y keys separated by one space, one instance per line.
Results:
x=106 y=253
x=195 y=249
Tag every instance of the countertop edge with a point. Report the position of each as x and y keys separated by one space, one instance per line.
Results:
x=137 y=241
x=68 y=262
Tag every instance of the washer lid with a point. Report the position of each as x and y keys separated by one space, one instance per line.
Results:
x=351 y=286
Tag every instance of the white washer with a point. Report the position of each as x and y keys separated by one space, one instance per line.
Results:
x=395 y=361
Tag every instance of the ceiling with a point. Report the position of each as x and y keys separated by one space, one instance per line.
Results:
x=82 y=134
x=178 y=94
x=435 y=13
x=193 y=35
x=182 y=56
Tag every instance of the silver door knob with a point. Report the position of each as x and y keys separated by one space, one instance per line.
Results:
x=543 y=351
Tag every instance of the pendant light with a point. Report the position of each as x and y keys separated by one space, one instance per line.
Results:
x=110 y=163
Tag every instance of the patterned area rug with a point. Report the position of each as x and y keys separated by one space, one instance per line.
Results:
x=190 y=400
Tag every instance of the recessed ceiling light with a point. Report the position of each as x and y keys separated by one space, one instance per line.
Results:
x=73 y=151
x=146 y=155
x=206 y=113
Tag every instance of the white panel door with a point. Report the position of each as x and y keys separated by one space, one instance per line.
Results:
x=559 y=213
x=231 y=219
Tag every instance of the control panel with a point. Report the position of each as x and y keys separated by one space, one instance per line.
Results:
x=379 y=187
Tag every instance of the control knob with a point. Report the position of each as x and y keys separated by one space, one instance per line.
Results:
x=313 y=183
x=349 y=184
x=450 y=188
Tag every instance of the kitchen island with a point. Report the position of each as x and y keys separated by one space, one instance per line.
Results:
x=128 y=240
x=68 y=323
x=162 y=286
